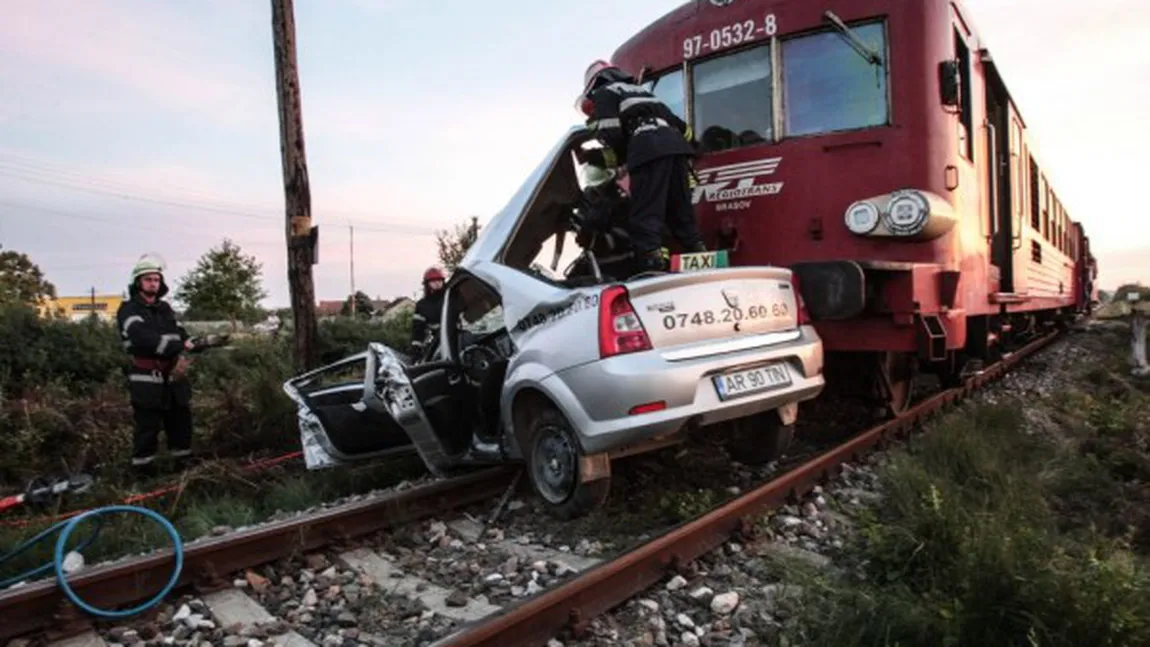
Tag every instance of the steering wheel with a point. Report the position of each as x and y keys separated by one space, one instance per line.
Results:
x=476 y=361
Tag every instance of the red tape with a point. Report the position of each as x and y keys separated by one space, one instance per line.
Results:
x=250 y=468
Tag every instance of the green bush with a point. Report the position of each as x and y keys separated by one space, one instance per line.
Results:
x=36 y=351
x=966 y=550
x=64 y=403
x=341 y=337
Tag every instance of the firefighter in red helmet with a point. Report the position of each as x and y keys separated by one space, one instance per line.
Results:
x=428 y=310
x=652 y=141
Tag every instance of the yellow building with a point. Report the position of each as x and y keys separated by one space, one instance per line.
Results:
x=79 y=308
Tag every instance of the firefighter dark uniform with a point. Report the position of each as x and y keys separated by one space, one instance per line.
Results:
x=428 y=310
x=159 y=392
x=651 y=140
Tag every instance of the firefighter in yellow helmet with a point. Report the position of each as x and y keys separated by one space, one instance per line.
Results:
x=157 y=385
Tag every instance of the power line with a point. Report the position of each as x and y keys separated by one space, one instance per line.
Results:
x=29 y=176
x=19 y=167
x=132 y=226
x=28 y=165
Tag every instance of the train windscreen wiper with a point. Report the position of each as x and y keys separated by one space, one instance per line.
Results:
x=853 y=40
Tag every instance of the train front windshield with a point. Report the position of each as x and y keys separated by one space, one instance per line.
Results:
x=825 y=84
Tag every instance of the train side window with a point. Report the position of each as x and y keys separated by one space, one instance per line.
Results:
x=1016 y=170
x=829 y=87
x=1035 y=202
x=1048 y=211
x=965 y=117
x=732 y=100
x=669 y=89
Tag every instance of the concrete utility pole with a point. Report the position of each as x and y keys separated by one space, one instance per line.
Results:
x=301 y=236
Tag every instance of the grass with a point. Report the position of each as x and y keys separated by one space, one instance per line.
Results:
x=217 y=497
x=64 y=401
x=992 y=532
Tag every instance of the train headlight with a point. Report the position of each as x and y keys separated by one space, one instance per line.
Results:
x=907 y=213
x=862 y=218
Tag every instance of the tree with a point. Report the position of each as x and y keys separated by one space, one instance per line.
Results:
x=363 y=305
x=453 y=245
x=225 y=283
x=22 y=282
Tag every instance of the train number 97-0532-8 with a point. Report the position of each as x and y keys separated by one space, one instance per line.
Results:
x=724 y=315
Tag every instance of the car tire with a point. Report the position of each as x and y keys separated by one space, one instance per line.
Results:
x=553 y=460
x=759 y=439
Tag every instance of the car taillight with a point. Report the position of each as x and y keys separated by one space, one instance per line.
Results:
x=620 y=330
x=804 y=316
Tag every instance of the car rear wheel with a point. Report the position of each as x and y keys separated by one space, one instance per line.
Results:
x=554 y=463
x=759 y=439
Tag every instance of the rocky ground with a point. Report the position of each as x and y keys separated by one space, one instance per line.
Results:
x=740 y=595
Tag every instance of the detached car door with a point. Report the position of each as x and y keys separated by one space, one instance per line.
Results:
x=429 y=401
x=336 y=423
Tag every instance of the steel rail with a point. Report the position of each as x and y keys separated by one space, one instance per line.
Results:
x=208 y=563
x=596 y=591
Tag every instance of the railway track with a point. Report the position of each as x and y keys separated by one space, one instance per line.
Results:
x=576 y=588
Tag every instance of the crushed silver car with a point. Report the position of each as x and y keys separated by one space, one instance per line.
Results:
x=563 y=373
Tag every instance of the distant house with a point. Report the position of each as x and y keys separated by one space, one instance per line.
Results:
x=395 y=308
x=104 y=306
x=328 y=308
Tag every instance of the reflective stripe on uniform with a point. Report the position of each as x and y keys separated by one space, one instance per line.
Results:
x=634 y=101
x=165 y=340
x=143 y=461
x=620 y=87
x=128 y=323
x=418 y=317
x=180 y=453
x=608 y=122
x=655 y=124
x=147 y=378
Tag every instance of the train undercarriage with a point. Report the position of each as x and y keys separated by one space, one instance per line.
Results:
x=887 y=380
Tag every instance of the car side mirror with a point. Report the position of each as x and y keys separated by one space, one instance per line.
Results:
x=949 y=82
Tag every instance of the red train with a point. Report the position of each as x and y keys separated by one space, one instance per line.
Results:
x=872 y=146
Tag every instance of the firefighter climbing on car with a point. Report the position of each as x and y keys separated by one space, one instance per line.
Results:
x=425 y=320
x=601 y=226
x=651 y=141
x=157 y=376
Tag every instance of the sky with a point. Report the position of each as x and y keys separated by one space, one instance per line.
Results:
x=132 y=126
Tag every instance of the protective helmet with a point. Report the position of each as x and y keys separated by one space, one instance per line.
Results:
x=595 y=176
x=433 y=274
x=598 y=70
x=149 y=263
x=592 y=73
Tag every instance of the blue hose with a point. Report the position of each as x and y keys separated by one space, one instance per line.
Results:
x=58 y=557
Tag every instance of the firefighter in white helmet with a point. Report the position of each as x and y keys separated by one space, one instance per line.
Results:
x=601 y=225
x=157 y=384
x=652 y=141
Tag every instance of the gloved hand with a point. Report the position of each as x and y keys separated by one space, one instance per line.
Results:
x=180 y=372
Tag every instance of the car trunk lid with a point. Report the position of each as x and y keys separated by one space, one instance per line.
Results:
x=710 y=305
